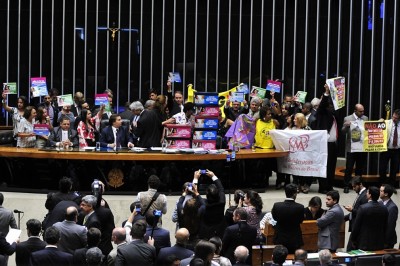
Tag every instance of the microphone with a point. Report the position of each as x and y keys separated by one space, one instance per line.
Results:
x=17 y=211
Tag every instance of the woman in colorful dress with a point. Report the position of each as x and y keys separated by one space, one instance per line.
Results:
x=88 y=126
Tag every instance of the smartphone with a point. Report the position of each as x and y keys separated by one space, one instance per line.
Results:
x=138 y=209
x=157 y=213
x=203 y=171
x=190 y=187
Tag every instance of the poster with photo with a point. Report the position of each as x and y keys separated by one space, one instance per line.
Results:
x=174 y=77
x=66 y=99
x=258 y=92
x=274 y=86
x=10 y=88
x=337 y=90
x=39 y=87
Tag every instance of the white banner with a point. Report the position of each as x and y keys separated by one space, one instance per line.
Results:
x=308 y=151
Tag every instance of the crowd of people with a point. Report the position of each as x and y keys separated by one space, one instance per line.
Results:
x=80 y=229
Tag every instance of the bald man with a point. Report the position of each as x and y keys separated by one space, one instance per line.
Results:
x=76 y=108
x=119 y=238
x=241 y=253
x=179 y=249
x=353 y=134
x=73 y=236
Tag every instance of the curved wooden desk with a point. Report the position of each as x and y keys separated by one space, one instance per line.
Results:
x=131 y=156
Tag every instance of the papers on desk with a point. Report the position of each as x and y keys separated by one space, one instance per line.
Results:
x=138 y=149
x=313 y=255
x=352 y=253
x=89 y=148
x=13 y=235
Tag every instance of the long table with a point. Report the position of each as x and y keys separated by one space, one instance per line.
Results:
x=125 y=155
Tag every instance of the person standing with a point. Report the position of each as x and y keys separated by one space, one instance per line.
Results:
x=357 y=158
x=34 y=243
x=369 y=229
x=392 y=154
x=329 y=224
x=385 y=194
x=288 y=215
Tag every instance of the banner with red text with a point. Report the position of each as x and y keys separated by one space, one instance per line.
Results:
x=308 y=151
x=375 y=136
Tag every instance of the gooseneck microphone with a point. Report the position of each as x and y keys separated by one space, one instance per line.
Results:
x=17 y=211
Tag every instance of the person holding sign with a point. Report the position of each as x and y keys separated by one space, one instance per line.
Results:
x=26 y=136
x=392 y=154
x=17 y=113
x=357 y=158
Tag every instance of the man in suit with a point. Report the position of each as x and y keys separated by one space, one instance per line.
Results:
x=119 y=239
x=361 y=199
x=76 y=107
x=300 y=257
x=115 y=135
x=288 y=216
x=369 y=229
x=385 y=194
x=52 y=110
x=88 y=212
x=160 y=235
x=357 y=158
x=239 y=234
x=93 y=240
x=73 y=236
x=329 y=224
x=34 y=243
x=179 y=249
x=392 y=154
x=241 y=255
x=7 y=219
x=63 y=135
x=137 y=252
x=50 y=255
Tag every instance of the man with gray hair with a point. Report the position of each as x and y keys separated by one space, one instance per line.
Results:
x=94 y=257
x=149 y=104
x=87 y=206
x=253 y=111
x=241 y=253
x=315 y=104
x=325 y=258
x=137 y=110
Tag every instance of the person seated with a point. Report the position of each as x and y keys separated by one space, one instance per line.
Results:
x=300 y=257
x=389 y=260
x=115 y=135
x=279 y=255
x=325 y=258
x=241 y=254
x=63 y=136
x=221 y=260
x=203 y=252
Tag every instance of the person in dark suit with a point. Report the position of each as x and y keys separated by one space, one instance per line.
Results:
x=50 y=255
x=58 y=213
x=149 y=128
x=52 y=110
x=361 y=199
x=160 y=235
x=63 y=135
x=357 y=158
x=179 y=249
x=385 y=193
x=329 y=224
x=34 y=243
x=239 y=234
x=115 y=135
x=93 y=240
x=241 y=255
x=279 y=255
x=288 y=216
x=326 y=120
x=369 y=229
x=90 y=218
x=106 y=218
x=137 y=252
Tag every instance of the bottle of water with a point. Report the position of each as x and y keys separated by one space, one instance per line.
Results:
x=164 y=145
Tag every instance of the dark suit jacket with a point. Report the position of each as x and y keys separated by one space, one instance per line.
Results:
x=56 y=136
x=240 y=234
x=178 y=250
x=324 y=115
x=93 y=221
x=161 y=237
x=24 y=250
x=391 y=236
x=50 y=256
x=79 y=257
x=107 y=136
x=362 y=199
x=106 y=219
x=58 y=213
x=149 y=129
x=5 y=247
x=288 y=215
x=136 y=253
x=369 y=229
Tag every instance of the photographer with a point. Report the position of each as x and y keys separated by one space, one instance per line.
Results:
x=239 y=194
x=160 y=235
x=213 y=221
x=187 y=194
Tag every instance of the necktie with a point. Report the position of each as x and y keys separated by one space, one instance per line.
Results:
x=395 y=136
x=117 y=142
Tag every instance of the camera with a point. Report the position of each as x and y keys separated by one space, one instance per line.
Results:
x=203 y=171
x=241 y=195
x=138 y=208
x=96 y=188
x=157 y=213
